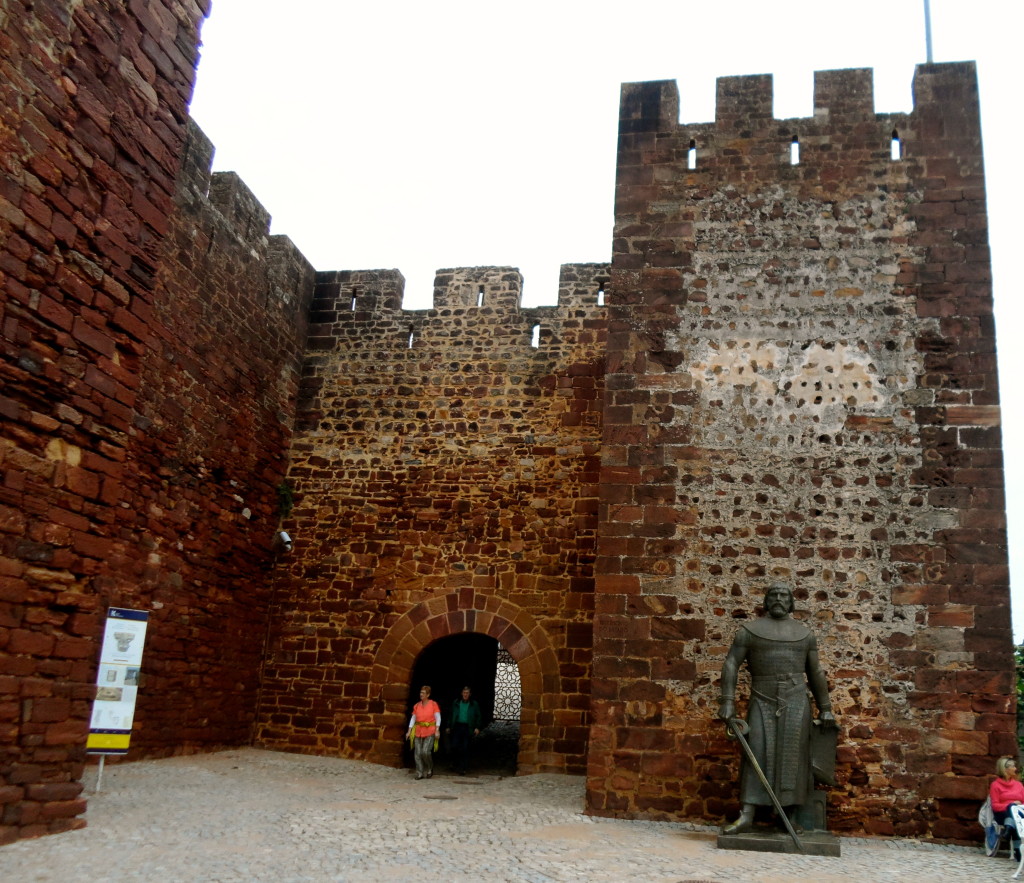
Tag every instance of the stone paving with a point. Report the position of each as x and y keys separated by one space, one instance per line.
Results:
x=251 y=815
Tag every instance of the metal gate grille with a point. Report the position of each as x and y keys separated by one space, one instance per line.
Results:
x=508 y=690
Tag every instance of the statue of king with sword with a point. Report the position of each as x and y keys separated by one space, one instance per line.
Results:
x=780 y=739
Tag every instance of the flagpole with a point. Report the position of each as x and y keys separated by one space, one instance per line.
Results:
x=928 y=30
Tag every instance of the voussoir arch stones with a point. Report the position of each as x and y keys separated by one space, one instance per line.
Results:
x=456 y=613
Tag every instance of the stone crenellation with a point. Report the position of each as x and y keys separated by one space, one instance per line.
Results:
x=213 y=421
x=151 y=354
x=787 y=371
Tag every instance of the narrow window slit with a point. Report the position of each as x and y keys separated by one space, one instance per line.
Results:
x=535 y=338
x=691 y=155
x=355 y=294
x=412 y=336
x=480 y=297
x=896 y=150
x=794 y=151
x=600 y=294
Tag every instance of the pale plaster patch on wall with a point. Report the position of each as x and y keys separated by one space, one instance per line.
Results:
x=833 y=381
x=739 y=362
x=795 y=324
x=822 y=383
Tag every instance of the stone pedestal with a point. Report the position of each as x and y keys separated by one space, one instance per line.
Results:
x=814 y=842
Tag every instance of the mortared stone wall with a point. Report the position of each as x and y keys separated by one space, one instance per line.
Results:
x=802 y=386
x=93 y=100
x=151 y=338
x=444 y=471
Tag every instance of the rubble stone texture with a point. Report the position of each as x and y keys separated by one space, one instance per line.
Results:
x=794 y=376
x=802 y=386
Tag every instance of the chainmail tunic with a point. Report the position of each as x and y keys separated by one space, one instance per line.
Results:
x=779 y=716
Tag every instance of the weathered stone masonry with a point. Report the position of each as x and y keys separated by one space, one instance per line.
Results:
x=802 y=385
x=212 y=428
x=151 y=342
x=794 y=377
x=92 y=118
x=445 y=480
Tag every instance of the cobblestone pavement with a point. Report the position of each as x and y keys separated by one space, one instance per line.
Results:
x=248 y=815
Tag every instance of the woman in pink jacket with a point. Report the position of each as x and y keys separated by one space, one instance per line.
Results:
x=1005 y=791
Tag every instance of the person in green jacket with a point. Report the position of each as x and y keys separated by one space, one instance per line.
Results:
x=464 y=723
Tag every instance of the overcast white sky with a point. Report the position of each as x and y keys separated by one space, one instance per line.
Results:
x=417 y=135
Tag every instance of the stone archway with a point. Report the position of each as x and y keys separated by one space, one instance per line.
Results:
x=463 y=611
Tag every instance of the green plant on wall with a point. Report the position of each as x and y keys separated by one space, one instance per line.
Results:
x=285 y=500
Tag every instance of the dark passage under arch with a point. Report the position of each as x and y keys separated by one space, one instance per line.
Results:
x=447 y=665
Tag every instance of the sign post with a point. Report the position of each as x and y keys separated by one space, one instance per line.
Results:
x=117 y=684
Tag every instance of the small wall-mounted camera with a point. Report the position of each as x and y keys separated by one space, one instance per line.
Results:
x=283 y=541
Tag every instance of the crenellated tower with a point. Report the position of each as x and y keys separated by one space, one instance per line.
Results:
x=802 y=386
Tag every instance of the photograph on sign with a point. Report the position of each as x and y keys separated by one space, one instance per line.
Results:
x=111 y=703
x=123 y=641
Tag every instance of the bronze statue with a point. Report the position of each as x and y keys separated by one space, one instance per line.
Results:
x=782 y=656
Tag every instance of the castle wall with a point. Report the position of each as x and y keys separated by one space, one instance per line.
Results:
x=92 y=123
x=444 y=472
x=802 y=385
x=795 y=379
x=151 y=346
x=205 y=468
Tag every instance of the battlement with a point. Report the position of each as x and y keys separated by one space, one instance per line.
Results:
x=360 y=337
x=745 y=132
x=497 y=287
x=367 y=293
x=225 y=191
x=774 y=282
x=796 y=380
x=222 y=203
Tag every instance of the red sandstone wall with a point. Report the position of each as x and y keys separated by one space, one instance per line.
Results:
x=200 y=502
x=151 y=347
x=92 y=121
x=802 y=385
x=445 y=481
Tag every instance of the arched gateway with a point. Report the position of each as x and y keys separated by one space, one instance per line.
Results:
x=457 y=613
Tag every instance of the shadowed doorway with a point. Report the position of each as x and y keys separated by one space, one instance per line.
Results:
x=479 y=662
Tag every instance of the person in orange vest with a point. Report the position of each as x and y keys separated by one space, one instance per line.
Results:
x=424 y=732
